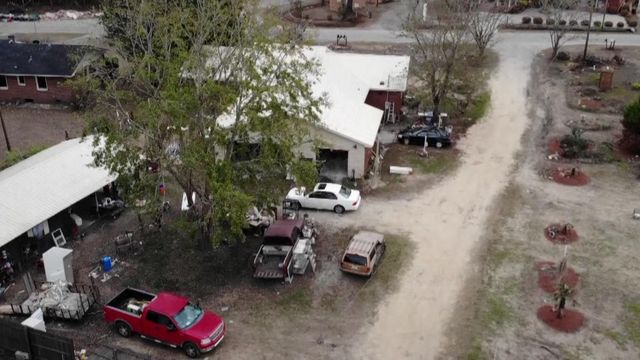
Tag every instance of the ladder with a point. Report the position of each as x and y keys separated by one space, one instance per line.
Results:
x=390 y=112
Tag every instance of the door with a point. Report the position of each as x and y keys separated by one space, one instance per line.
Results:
x=329 y=200
x=314 y=200
x=160 y=327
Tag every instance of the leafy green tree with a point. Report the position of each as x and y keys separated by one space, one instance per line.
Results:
x=225 y=122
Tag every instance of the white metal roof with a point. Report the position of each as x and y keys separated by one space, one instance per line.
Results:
x=48 y=182
x=345 y=79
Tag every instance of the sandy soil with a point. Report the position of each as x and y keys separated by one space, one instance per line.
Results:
x=605 y=257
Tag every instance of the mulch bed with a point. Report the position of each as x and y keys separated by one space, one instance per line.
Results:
x=571 y=321
x=561 y=238
x=548 y=277
x=590 y=104
x=563 y=176
x=554 y=147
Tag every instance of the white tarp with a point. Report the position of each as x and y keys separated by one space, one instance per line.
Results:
x=45 y=184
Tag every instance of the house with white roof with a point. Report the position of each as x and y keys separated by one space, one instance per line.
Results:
x=362 y=91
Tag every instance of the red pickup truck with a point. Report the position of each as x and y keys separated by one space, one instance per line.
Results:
x=165 y=318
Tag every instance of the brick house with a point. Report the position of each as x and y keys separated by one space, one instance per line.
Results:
x=37 y=72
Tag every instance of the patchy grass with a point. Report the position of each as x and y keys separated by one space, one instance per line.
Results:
x=14 y=157
x=497 y=312
x=396 y=258
x=632 y=322
x=616 y=336
x=480 y=106
x=475 y=353
x=297 y=301
x=435 y=164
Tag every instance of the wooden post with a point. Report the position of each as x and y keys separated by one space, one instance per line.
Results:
x=4 y=131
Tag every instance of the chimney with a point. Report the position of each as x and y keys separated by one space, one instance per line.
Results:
x=12 y=39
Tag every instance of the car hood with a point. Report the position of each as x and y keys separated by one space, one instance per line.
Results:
x=295 y=193
x=205 y=327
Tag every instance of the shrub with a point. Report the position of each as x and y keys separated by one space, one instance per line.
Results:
x=537 y=20
x=624 y=12
x=526 y=20
x=562 y=22
x=584 y=22
x=563 y=56
x=636 y=86
x=550 y=21
x=574 y=145
x=632 y=22
x=620 y=24
x=597 y=24
x=608 y=24
x=631 y=117
x=573 y=22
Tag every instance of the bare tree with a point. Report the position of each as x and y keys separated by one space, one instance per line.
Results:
x=558 y=21
x=435 y=53
x=483 y=26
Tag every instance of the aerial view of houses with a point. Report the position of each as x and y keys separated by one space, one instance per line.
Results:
x=310 y=179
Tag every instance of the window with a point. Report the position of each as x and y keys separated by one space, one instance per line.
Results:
x=188 y=316
x=3 y=83
x=158 y=318
x=346 y=192
x=330 y=196
x=355 y=259
x=41 y=83
x=316 y=195
x=21 y=81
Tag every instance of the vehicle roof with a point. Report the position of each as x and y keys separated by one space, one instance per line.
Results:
x=327 y=187
x=283 y=228
x=362 y=242
x=168 y=303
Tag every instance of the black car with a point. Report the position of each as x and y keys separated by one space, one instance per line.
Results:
x=436 y=137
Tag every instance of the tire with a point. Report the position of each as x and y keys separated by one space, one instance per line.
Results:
x=191 y=350
x=123 y=329
x=338 y=209
x=406 y=141
x=439 y=144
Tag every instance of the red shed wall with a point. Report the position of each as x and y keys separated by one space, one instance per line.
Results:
x=377 y=99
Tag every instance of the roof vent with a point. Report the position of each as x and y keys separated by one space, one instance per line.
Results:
x=12 y=39
x=30 y=59
x=381 y=82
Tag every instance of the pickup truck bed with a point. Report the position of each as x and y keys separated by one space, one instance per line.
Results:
x=130 y=297
x=270 y=261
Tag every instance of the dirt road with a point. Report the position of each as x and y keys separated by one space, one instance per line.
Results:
x=447 y=221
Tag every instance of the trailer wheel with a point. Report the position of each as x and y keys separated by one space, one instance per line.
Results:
x=123 y=329
x=191 y=350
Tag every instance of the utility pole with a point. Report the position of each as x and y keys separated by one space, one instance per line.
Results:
x=586 y=43
x=604 y=13
x=4 y=131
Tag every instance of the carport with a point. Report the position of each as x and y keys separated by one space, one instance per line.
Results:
x=42 y=188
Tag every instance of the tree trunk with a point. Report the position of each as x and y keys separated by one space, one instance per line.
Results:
x=436 y=108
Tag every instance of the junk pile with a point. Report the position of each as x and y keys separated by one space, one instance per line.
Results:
x=55 y=299
x=58 y=15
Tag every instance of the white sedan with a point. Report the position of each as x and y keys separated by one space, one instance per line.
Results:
x=326 y=196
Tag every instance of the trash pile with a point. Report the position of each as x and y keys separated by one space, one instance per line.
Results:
x=56 y=299
x=58 y=15
x=70 y=15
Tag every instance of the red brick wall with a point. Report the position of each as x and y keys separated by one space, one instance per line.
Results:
x=57 y=91
x=377 y=99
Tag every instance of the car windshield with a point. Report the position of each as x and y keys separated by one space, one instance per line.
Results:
x=345 y=191
x=355 y=259
x=188 y=316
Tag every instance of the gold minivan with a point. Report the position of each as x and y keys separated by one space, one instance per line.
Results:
x=363 y=254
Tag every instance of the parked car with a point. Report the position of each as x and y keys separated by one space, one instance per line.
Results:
x=165 y=318
x=363 y=254
x=326 y=196
x=416 y=135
